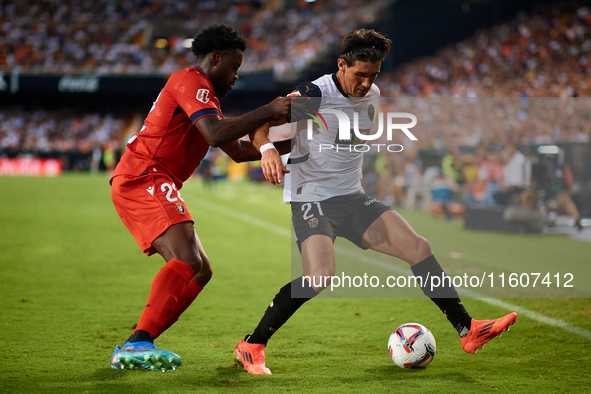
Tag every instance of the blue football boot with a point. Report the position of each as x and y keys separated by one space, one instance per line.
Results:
x=144 y=355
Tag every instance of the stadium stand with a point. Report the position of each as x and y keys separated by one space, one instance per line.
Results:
x=108 y=49
x=46 y=131
x=143 y=37
x=542 y=54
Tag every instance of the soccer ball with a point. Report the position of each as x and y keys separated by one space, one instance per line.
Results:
x=411 y=346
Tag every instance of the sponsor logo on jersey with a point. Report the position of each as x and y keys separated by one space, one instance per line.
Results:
x=180 y=207
x=203 y=95
x=299 y=190
x=313 y=223
x=150 y=190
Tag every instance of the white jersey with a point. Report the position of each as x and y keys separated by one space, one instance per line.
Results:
x=326 y=166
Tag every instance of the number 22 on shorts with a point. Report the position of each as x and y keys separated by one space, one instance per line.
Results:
x=168 y=189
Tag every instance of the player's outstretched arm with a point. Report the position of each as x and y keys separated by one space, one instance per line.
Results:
x=271 y=163
x=260 y=136
x=218 y=132
x=241 y=151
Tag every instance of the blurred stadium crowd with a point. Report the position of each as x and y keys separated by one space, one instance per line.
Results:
x=58 y=130
x=143 y=36
x=543 y=53
x=83 y=141
x=468 y=150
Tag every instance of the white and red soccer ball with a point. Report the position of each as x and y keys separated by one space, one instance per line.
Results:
x=412 y=345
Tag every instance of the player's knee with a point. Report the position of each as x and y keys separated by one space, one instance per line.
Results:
x=421 y=249
x=321 y=279
x=205 y=273
x=196 y=263
x=190 y=257
x=319 y=283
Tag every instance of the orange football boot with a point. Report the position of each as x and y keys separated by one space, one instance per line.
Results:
x=252 y=356
x=482 y=331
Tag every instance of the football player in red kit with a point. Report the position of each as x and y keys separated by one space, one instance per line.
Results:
x=183 y=123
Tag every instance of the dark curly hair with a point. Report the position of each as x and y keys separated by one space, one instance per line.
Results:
x=216 y=37
x=364 y=45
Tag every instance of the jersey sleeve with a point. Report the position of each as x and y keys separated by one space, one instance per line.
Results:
x=307 y=89
x=196 y=97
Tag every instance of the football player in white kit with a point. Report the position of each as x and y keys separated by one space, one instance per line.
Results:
x=327 y=200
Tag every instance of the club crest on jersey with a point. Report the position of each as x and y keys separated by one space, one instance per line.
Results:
x=203 y=95
x=371 y=111
x=313 y=223
x=180 y=207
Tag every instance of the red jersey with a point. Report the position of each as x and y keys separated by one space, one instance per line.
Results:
x=169 y=140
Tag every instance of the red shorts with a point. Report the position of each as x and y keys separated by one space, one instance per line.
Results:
x=148 y=205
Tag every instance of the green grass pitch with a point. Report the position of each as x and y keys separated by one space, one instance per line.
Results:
x=73 y=283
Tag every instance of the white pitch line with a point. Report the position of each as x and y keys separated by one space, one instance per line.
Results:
x=244 y=217
x=539 y=317
x=473 y=294
x=249 y=219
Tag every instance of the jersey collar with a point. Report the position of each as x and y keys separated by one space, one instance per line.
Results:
x=338 y=85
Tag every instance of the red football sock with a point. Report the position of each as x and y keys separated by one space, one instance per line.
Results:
x=186 y=299
x=167 y=288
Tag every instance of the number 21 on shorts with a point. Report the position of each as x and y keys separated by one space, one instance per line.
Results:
x=307 y=207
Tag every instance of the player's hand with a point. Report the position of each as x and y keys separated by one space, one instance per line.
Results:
x=284 y=107
x=280 y=108
x=272 y=166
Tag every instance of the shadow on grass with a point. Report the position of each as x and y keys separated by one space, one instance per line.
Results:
x=419 y=374
x=188 y=378
x=109 y=380
x=231 y=376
